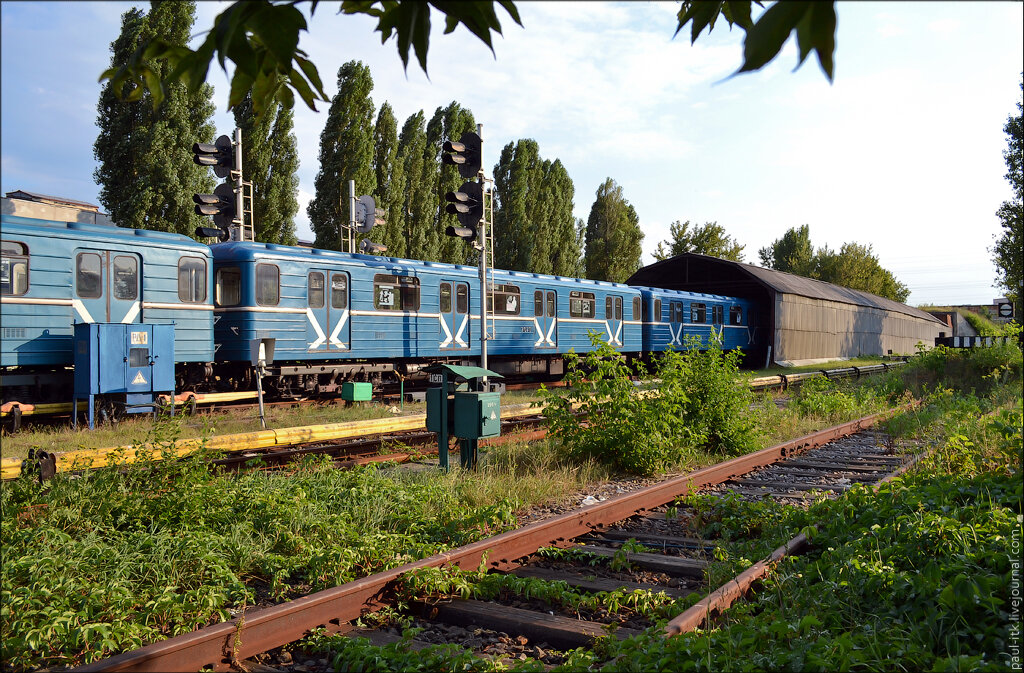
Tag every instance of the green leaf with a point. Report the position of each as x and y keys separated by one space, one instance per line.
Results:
x=277 y=28
x=702 y=14
x=765 y=38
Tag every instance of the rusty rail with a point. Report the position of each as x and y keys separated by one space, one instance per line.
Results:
x=721 y=599
x=264 y=629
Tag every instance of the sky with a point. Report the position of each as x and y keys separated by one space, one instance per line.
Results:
x=902 y=151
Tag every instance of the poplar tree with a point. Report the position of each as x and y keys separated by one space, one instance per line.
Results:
x=270 y=160
x=448 y=123
x=390 y=192
x=146 y=173
x=516 y=182
x=419 y=194
x=561 y=252
x=535 y=229
x=346 y=153
x=613 y=236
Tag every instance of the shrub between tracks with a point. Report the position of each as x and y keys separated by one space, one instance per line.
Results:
x=699 y=403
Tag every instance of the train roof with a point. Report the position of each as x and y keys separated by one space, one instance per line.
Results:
x=241 y=250
x=10 y=223
x=684 y=293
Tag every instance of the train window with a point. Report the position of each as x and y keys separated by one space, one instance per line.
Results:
x=268 y=285
x=89 y=275
x=446 y=298
x=657 y=310
x=315 y=289
x=581 y=304
x=676 y=311
x=551 y=304
x=339 y=290
x=126 y=278
x=618 y=308
x=228 y=290
x=13 y=268
x=504 y=300
x=735 y=315
x=718 y=314
x=192 y=279
x=698 y=313
x=636 y=308
x=538 y=303
x=462 y=298
x=608 y=307
x=396 y=293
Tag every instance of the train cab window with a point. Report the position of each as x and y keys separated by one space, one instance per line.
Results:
x=396 y=293
x=126 y=278
x=268 y=285
x=551 y=304
x=315 y=289
x=718 y=314
x=339 y=290
x=636 y=308
x=228 y=287
x=446 y=298
x=698 y=313
x=89 y=275
x=735 y=315
x=538 y=303
x=462 y=299
x=657 y=311
x=581 y=304
x=192 y=280
x=676 y=311
x=13 y=268
x=504 y=300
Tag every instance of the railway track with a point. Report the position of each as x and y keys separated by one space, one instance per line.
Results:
x=672 y=561
x=15 y=413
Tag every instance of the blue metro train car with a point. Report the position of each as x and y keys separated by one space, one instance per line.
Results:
x=670 y=316
x=336 y=316
x=56 y=274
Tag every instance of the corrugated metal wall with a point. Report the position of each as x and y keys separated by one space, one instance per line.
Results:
x=808 y=328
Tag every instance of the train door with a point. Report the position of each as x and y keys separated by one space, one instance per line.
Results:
x=675 y=323
x=545 y=318
x=454 y=315
x=107 y=287
x=327 y=312
x=613 y=318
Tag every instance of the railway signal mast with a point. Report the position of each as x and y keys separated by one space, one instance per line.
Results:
x=473 y=205
x=227 y=203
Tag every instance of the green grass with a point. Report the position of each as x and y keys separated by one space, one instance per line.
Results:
x=135 y=430
x=111 y=560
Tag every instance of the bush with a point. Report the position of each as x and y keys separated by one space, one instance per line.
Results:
x=965 y=369
x=699 y=402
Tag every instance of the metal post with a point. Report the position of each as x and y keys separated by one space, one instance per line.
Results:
x=442 y=435
x=482 y=235
x=239 y=194
x=351 y=215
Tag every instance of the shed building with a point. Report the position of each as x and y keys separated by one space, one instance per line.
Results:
x=799 y=319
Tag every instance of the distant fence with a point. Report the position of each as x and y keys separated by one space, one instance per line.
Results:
x=972 y=341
